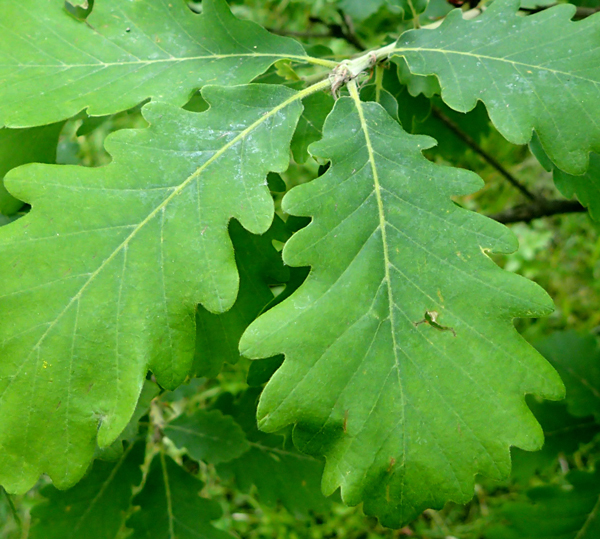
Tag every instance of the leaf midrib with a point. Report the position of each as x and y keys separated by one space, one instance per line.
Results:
x=298 y=96
x=396 y=52
x=386 y=260
x=174 y=59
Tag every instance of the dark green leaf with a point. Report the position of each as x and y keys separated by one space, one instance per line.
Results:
x=586 y=188
x=171 y=506
x=577 y=360
x=555 y=512
x=95 y=508
x=20 y=146
x=310 y=125
x=563 y=435
x=273 y=466
x=259 y=265
x=208 y=436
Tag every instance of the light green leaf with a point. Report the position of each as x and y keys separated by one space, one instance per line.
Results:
x=405 y=412
x=96 y=506
x=538 y=72
x=52 y=65
x=259 y=265
x=119 y=257
x=272 y=465
x=208 y=436
x=577 y=360
x=555 y=512
x=20 y=146
x=171 y=506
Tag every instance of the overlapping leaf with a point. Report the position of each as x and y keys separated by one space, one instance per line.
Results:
x=171 y=506
x=114 y=451
x=556 y=512
x=259 y=264
x=538 y=72
x=101 y=279
x=52 y=65
x=95 y=508
x=577 y=359
x=405 y=414
x=274 y=467
x=563 y=434
x=586 y=187
x=20 y=146
x=208 y=436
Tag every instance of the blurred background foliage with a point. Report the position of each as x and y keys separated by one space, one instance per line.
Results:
x=560 y=252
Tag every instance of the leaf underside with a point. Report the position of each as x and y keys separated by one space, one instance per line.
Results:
x=52 y=65
x=20 y=146
x=405 y=414
x=119 y=257
x=537 y=72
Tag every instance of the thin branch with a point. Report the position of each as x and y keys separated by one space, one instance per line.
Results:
x=349 y=31
x=537 y=209
x=307 y=35
x=470 y=142
x=13 y=509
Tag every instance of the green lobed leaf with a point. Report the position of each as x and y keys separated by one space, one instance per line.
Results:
x=555 y=512
x=208 y=436
x=259 y=265
x=274 y=467
x=171 y=506
x=52 y=65
x=94 y=508
x=405 y=414
x=119 y=257
x=577 y=360
x=538 y=72
x=20 y=146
